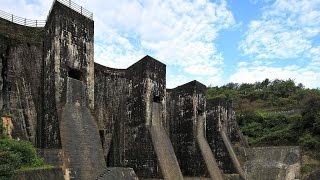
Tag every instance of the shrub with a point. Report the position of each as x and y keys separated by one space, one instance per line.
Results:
x=15 y=154
x=1 y=128
x=267 y=128
x=309 y=141
x=9 y=163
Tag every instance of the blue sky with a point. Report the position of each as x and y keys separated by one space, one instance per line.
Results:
x=214 y=42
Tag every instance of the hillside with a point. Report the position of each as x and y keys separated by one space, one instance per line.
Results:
x=278 y=112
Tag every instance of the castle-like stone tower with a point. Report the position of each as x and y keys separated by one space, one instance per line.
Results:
x=67 y=52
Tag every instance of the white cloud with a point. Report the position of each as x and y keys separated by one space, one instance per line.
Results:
x=251 y=73
x=285 y=30
x=202 y=70
x=176 y=32
x=37 y=10
x=259 y=1
x=176 y=80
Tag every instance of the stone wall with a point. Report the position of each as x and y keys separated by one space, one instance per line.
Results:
x=123 y=102
x=51 y=156
x=184 y=103
x=68 y=51
x=21 y=65
x=277 y=162
x=118 y=173
x=147 y=85
x=111 y=90
x=40 y=174
x=218 y=112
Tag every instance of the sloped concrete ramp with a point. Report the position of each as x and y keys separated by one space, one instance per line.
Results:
x=206 y=152
x=165 y=154
x=82 y=151
x=162 y=145
x=232 y=154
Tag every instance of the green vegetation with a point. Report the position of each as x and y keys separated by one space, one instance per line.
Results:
x=16 y=155
x=1 y=128
x=308 y=168
x=274 y=112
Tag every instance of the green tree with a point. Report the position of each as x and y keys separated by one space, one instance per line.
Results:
x=311 y=114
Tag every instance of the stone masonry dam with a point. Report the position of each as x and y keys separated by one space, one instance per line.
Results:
x=95 y=122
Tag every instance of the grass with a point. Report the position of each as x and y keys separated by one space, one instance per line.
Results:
x=28 y=168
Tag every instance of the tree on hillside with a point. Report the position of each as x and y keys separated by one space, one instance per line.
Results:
x=311 y=114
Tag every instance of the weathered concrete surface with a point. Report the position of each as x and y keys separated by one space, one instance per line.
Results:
x=51 y=157
x=225 y=177
x=40 y=174
x=20 y=80
x=81 y=145
x=219 y=112
x=278 y=163
x=123 y=113
x=118 y=173
x=165 y=154
x=147 y=84
x=68 y=52
x=111 y=90
x=184 y=103
x=206 y=152
x=231 y=152
x=314 y=175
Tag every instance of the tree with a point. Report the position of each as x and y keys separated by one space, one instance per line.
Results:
x=311 y=114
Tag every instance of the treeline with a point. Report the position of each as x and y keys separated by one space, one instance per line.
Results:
x=278 y=112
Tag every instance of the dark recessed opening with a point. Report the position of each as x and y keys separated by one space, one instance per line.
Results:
x=101 y=132
x=28 y=44
x=75 y=74
x=199 y=112
x=110 y=155
x=156 y=99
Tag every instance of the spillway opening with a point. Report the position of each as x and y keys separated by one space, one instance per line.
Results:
x=75 y=74
x=156 y=99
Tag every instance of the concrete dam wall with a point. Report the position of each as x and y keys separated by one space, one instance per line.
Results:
x=97 y=122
